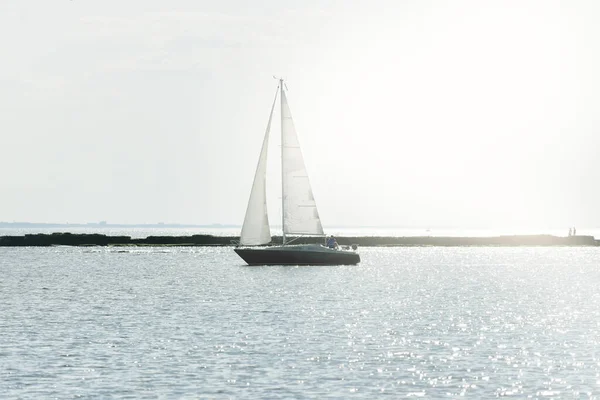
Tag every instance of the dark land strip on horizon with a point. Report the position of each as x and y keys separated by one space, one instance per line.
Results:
x=94 y=239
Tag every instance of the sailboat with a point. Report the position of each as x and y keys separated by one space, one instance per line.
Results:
x=300 y=216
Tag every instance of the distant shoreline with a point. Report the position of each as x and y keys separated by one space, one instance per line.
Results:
x=21 y=225
x=96 y=239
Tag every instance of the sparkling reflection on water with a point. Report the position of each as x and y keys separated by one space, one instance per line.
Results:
x=197 y=323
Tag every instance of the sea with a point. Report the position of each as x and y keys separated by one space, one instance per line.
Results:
x=197 y=323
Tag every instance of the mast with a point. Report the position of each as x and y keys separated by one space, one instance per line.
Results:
x=282 y=161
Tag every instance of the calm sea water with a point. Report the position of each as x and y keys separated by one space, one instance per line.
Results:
x=197 y=323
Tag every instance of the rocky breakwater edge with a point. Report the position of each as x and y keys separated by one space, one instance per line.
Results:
x=71 y=239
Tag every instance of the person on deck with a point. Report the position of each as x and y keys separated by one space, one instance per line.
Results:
x=332 y=243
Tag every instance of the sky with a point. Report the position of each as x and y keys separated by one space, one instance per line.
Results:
x=410 y=113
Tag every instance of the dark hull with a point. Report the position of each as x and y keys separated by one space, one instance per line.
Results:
x=270 y=256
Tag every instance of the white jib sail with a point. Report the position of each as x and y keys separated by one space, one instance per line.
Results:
x=300 y=215
x=255 y=230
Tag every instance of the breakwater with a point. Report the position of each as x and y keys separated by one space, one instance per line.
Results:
x=70 y=239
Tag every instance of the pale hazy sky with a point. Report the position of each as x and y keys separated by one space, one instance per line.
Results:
x=463 y=113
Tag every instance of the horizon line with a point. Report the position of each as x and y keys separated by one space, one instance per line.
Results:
x=106 y=224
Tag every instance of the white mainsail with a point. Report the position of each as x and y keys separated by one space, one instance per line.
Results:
x=300 y=215
x=255 y=230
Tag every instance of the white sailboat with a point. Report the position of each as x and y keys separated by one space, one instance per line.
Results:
x=300 y=216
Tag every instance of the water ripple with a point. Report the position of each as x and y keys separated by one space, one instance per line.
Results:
x=196 y=322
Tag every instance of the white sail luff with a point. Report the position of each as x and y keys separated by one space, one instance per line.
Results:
x=282 y=168
x=255 y=230
x=300 y=214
